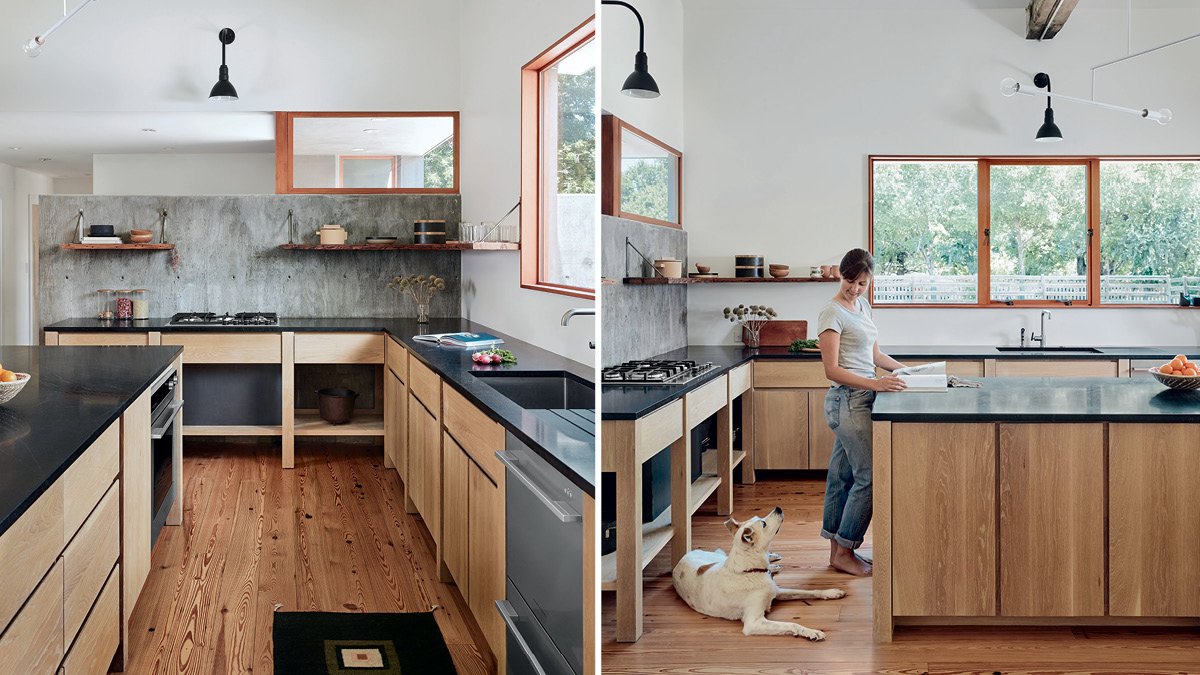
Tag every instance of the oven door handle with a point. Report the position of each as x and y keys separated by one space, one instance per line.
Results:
x=510 y=619
x=164 y=421
x=561 y=510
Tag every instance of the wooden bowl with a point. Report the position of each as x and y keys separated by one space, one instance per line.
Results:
x=1182 y=382
x=702 y=269
x=10 y=389
x=779 y=271
x=136 y=237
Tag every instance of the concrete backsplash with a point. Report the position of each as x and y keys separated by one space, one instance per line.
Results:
x=638 y=321
x=230 y=260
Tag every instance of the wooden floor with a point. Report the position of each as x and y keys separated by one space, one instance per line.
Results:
x=678 y=640
x=330 y=535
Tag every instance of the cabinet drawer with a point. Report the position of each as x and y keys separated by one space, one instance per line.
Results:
x=740 y=379
x=698 y=405
x=455 y=499
x=89 y=558
x=1056 y=368
x=478 y=435
x=781 y=429
x=425 y=385
x=28 y=549
x=228 y=348
x=98 y=639
x=131 y=339
x=86 y=481
x=397 y=359
x=790 y=374
x=34 y=640
x=339 y=347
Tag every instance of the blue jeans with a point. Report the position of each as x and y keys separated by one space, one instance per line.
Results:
x=848 y=487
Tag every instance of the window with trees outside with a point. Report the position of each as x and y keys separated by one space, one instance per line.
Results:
x=1035 y=231
x=558 y=166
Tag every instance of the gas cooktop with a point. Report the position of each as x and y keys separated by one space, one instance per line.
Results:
x=208 y=319
x=653 y=371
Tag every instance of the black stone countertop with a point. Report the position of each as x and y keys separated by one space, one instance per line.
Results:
x=630 y=402
x=73 y=395
x=1044 y=399
x=568 y=448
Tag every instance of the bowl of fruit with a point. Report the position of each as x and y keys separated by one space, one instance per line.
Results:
x=1178 y=374
x=11 y=384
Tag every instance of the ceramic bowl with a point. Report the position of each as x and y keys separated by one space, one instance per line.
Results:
x=10 y=389
x=381 y=240
x=1184 y=382
x=703 y=269
x=140 y=236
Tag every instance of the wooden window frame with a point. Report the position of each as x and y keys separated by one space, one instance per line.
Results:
x=285 y=131
x=393 y=179
x=531 y=178
x=611 y=130
x=984 y=164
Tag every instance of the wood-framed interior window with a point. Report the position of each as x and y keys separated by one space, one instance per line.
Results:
x=1111 y=231
x=558 y=166
x=641 y=177
x=312 y=150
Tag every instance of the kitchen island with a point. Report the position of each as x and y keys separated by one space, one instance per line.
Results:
x=1037 y=501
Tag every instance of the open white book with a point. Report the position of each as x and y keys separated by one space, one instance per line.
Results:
x=927 y=377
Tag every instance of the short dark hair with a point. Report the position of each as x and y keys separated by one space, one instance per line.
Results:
x=855 y=262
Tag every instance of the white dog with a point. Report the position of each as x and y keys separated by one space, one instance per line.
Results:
x=740 y=585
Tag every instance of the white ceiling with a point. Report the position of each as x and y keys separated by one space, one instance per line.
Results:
x=375 y=135
x=69 y=139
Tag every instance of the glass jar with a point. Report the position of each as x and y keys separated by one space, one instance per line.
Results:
x=104 y=303
x=123 y=307
x=141 y=303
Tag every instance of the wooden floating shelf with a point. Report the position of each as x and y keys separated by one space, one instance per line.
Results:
x=646 y=281
x=119 y=247
x=448 y=246
x=363 y=424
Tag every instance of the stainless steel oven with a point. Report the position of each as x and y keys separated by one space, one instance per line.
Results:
x=166 y=445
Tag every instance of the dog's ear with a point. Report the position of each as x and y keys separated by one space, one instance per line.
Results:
x=748 y=535
x=732 y=525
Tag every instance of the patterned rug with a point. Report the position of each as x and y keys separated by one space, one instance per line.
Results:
x=320 y=643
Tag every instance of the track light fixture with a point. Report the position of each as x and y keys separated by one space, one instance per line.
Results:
x=1049 y=131
x=639 y=84
x=34 y=47
x=223 y=90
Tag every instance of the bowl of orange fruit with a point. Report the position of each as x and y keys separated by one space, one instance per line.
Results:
x=11 y=384
x=1180 y=373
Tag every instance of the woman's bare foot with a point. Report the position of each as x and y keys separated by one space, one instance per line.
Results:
x=866 y=555
x=844 y=559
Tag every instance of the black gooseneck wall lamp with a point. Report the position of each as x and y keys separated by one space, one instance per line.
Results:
x=639 y=84
x=1048 y=132
x=223 y=90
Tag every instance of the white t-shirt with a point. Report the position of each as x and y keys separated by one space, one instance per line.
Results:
x=856 y=351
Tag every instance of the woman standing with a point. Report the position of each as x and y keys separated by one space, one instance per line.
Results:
x=850 y=352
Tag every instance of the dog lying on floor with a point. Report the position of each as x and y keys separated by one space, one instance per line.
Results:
x=740 y=585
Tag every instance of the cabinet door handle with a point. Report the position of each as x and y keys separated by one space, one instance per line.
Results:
x=510 y=619
x=561 y=510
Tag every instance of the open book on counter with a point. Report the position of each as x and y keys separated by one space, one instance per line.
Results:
x=461 y=339
x=927 y=377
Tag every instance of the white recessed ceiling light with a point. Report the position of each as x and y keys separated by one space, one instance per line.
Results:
x=370 y=131
x=168 y=148
x=358 y=149
x=43 y=159
x=13 y=147
x=149 y=129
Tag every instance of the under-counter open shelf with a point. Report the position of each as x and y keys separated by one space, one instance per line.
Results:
x=363 y=424
x=645 y=281
x=448 y=246
x=119 y=247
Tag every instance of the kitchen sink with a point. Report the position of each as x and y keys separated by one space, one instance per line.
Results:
x=541 y=389
x=1050 y=350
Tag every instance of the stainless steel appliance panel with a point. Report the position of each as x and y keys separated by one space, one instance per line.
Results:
x=531 y=651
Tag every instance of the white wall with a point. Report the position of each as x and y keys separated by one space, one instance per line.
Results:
x=497 y=39
x=18 y=190
x=785 y=103
x=184 y=174
x=662 y=117
x=73 y=185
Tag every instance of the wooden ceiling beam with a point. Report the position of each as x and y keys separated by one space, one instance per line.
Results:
x=1039 y=14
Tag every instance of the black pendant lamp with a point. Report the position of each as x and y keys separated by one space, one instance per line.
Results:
x=639 y=84
x=223 y=90
x=1048 y=132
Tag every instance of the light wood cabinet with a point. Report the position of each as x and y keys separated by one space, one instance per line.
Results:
x=455 y=500
x=228 y=347
x=485 y=532
x=781 y=422
x=340 y=347
x=781 y=373
x=28 y=548
x=425 y=465
x=1051 y=520
x=943 y=516
x=139 y=339
x=92 y=650
x=395 y=424
x=820 y=436
x=89 y=479
x=1154 y=520
x=33 y=643
x=89 y=559
x=477 y=434
x=425 y=385
x=136 y=509
x=1057 y=368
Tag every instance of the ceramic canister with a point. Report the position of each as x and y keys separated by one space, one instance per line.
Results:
x=748 y=266
x=429 y=231
x=671 y=268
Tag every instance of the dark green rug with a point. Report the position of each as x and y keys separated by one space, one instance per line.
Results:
x=316 y=643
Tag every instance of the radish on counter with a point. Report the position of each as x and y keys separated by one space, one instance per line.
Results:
x=494 y=355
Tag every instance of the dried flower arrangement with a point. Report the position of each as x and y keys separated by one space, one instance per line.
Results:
x=421 y=289
x=753 y=318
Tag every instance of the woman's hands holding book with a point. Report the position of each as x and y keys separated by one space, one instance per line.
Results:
x=889 y=383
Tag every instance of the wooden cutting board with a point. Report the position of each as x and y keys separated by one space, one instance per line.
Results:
x=779 y=333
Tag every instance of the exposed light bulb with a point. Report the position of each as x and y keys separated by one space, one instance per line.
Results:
x=33 y=48
x=1009 y=86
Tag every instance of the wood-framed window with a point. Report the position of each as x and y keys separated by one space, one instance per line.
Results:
x=313 y=148
x=558 y=166
x=367 y=171
x=1088 y=231
x=641 y=177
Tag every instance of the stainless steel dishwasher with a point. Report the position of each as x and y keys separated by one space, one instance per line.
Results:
x=544 y=547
